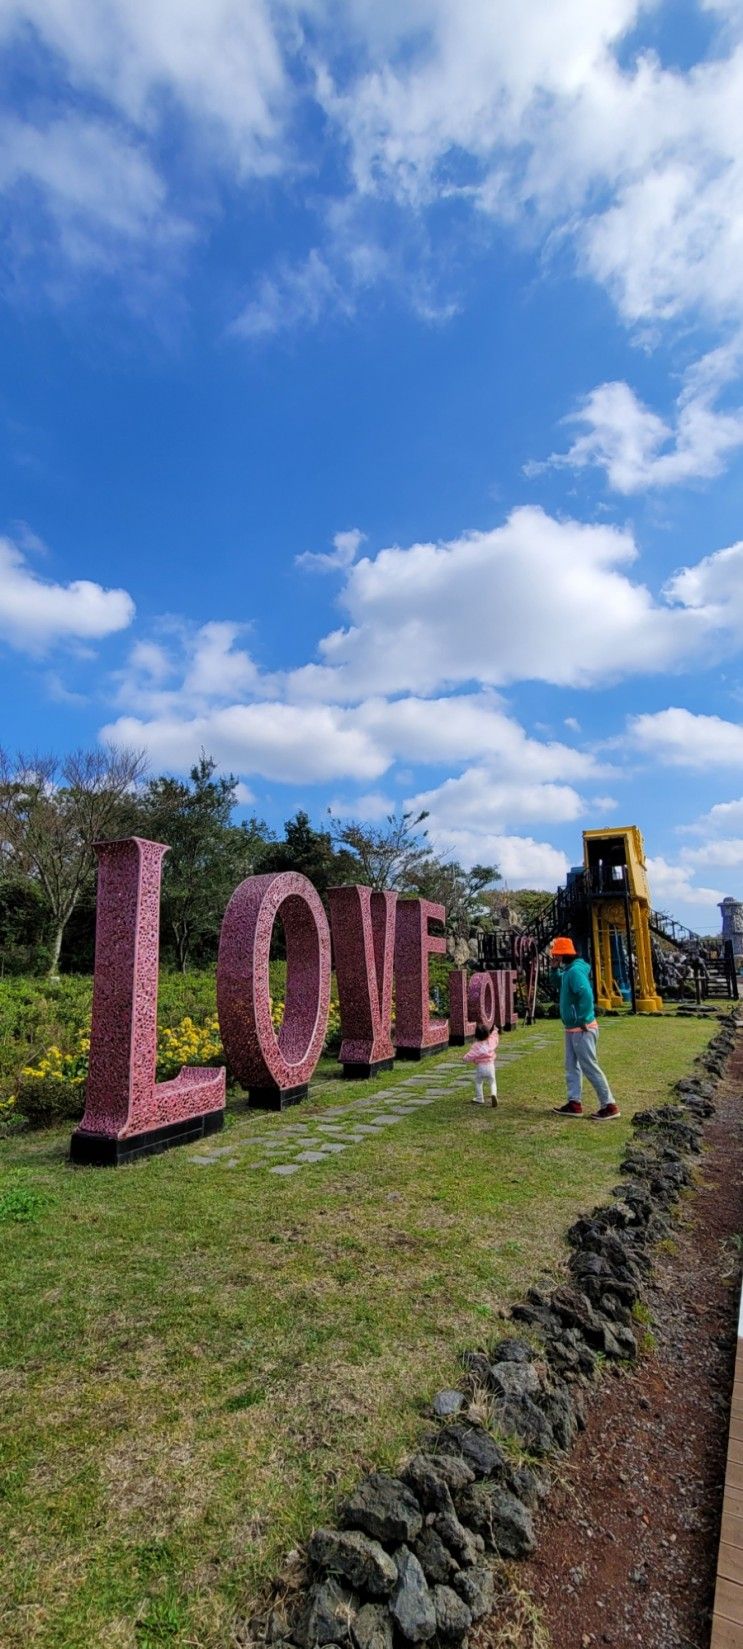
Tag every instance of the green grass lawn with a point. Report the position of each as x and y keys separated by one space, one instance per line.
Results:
x=197 y=1359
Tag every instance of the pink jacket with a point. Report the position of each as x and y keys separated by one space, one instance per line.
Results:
x=481 y=1053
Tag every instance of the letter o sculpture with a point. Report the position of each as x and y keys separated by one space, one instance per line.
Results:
x=481 y=1002
x=276 y=1069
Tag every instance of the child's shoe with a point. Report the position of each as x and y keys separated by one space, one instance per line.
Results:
x=494 y=1101
x=572 y=1109
x=606 y=1114
x=476 y=1101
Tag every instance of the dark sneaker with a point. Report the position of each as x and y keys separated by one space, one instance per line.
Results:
x=606 y=1114
x=494 y=1101
x=572 y=1109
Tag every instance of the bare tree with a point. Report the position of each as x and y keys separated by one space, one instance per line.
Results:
x=51 y=813
x=388 y=855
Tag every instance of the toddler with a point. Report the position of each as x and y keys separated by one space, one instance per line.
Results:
x=482 y=1056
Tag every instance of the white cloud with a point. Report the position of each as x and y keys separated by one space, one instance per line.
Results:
x=679 y=738
x=535 y=599
x=479 y=794
x=723 y=816
x=289 y=743
x=524 y=109
x=36 y=614
x=219 y=63
x=522 y=861
x=371 y=808
x=724 y=854
x=639 y=450
x=671 y=886
x=714 y=585
x=467 y=726
x=297 y=294
x=188 y=670
x=98 y=189
x=346 y=546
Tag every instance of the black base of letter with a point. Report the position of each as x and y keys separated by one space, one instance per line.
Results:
x=360 y=1072
x=276 y=1099
x=100 y=1151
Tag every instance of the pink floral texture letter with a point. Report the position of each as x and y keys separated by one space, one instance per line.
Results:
x=504 y=983
x=481 y=999
x=255 y=1054
x=462 y=1026
x=363 y=927
x=123 y=1098
x=414 y=1028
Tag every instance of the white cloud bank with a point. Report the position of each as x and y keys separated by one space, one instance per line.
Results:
x=535 y=599
x=37 y=614
x=679 y=738
x=639 y=450
x=531 y=115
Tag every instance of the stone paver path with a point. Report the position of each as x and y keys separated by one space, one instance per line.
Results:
x=307 y=1141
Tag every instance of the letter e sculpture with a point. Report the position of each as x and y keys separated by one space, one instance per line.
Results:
x=416 y=1034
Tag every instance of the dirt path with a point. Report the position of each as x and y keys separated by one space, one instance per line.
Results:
x=627 y=1543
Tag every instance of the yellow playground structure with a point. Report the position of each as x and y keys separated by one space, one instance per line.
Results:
x=616 y=885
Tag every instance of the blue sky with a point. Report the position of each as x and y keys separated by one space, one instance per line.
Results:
x=372 y=416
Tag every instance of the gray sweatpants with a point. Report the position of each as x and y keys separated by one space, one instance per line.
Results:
x=581 y=1050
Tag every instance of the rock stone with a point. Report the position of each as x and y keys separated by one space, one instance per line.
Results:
x=511 y=1350
x=411 y=1604
x=437 y=1562
x=460 y=1540
x=384 y=1508
x=559 y=1409
x=514 y=1379
x=356 y=1557
x=372 y=1628
x=529 y=1485
x=501 y=1519
x=521 y=1417
x=453 y=1471
x=453 y=1617
x=477 y=1588
x=477 y=1447
x=446 y=1403
x=427 y=1483
x=331 y=1610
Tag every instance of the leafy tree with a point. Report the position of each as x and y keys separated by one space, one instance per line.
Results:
x=208 y=854
x=24 y=924
x=388 y=855
x=529 y=903
x=52 y=811
x=312 y=853
x=460 y=891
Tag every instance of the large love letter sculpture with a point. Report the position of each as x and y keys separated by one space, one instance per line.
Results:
x=127 y=1113
x=276 y=1070
x=363 y=927
x=416 y=1033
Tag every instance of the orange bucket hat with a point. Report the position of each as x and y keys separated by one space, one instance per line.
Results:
x=563 y=947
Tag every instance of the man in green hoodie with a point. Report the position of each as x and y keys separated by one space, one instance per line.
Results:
x=578 y=1014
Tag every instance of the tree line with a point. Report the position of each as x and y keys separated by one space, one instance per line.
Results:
x=53 y=810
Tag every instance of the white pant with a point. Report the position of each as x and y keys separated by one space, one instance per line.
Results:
x=485 y=1072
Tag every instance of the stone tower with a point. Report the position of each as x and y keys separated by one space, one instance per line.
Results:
x=732 y=925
